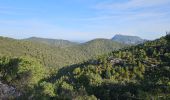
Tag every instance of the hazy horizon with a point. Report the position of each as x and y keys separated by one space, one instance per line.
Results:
x=78 y=41
x=84 y=20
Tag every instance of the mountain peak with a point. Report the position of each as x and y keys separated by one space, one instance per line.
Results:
x=121 y=35
x=127 y=39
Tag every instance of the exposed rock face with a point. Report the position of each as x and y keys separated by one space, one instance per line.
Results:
x=115 y=61
x=8 y=92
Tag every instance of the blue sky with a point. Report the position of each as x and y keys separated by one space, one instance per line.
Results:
x=84 y=19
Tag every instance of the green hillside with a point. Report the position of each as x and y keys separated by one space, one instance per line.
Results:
x=52 y=56
x=98 y=47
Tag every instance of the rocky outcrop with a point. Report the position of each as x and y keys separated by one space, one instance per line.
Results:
x=8 y=92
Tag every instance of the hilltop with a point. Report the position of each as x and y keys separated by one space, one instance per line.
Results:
x=54 y=42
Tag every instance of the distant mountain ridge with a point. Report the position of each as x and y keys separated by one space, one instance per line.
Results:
x=126 y=39
x=53 y=42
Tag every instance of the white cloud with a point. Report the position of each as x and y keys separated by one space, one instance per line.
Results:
x=131 y=4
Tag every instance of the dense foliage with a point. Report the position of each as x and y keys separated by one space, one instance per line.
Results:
x=23 y=73
x=139 y=72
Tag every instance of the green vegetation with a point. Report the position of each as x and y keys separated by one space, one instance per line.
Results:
x=139 y=72
x=23 y=73
x=56 y=57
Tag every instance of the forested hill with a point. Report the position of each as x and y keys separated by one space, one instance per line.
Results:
x=53 y=42
x=52 y=56
x=99 y=46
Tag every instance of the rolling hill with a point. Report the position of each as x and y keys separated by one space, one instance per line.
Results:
x=99 y=46
x=54 y=42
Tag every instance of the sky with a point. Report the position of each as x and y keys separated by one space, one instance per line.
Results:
x=83 y=20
